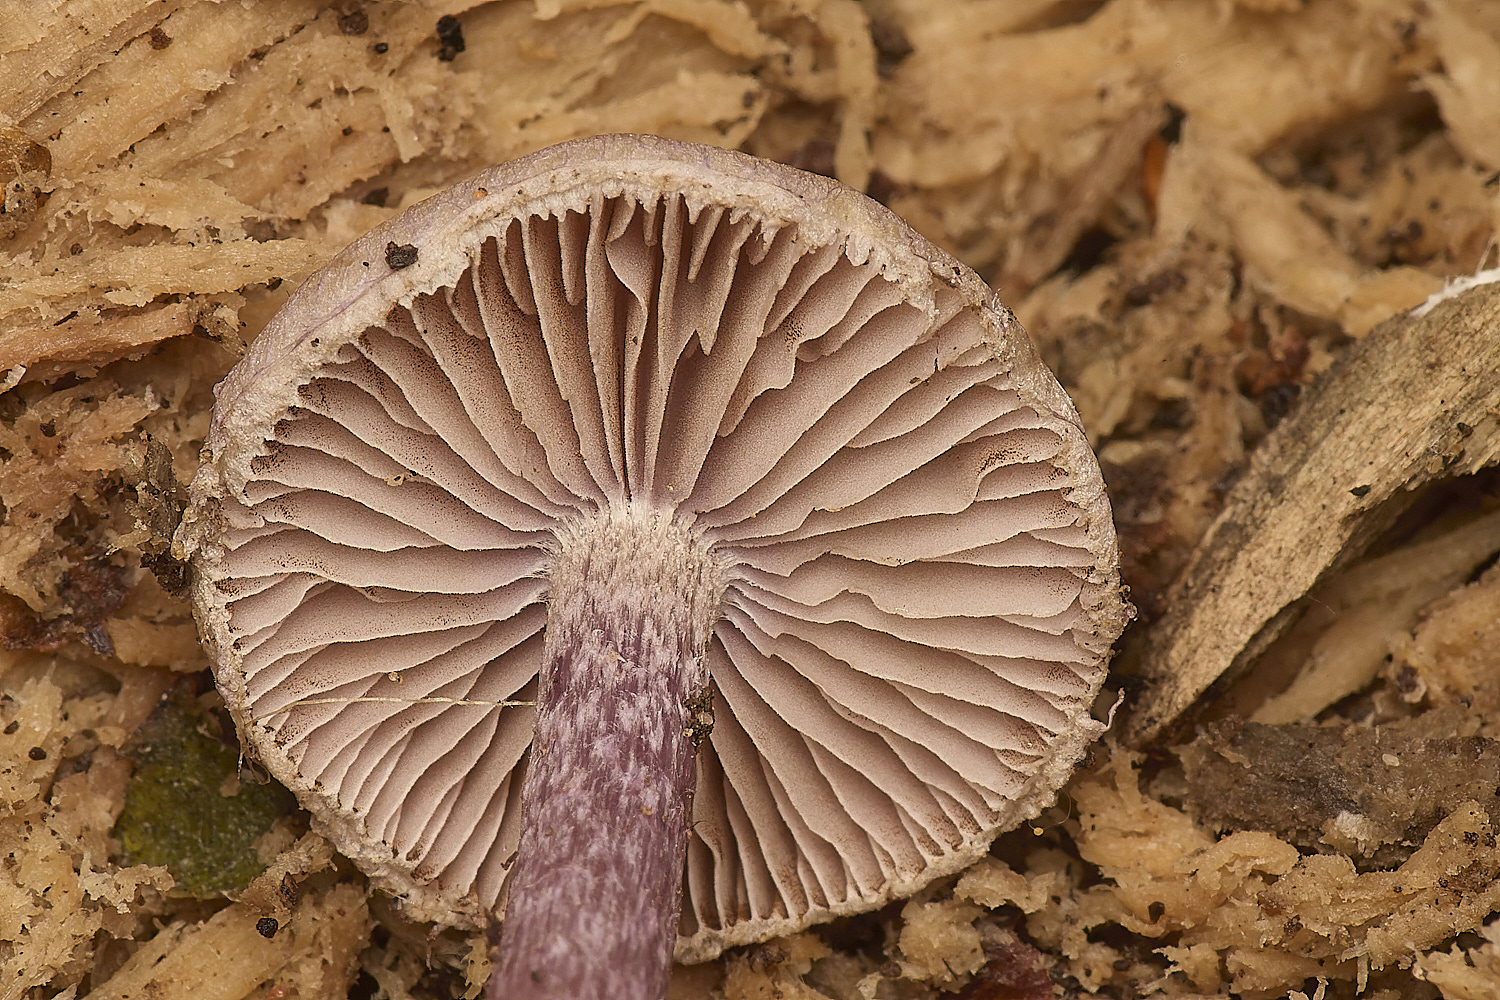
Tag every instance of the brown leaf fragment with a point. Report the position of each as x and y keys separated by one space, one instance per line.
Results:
x=90 y=590
x=20 y=153
x=1013 y=970
x=157 y=509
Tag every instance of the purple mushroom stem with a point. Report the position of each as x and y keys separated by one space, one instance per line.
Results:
x=621 y=706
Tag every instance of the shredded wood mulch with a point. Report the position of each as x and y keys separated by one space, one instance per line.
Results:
x=1213 y=216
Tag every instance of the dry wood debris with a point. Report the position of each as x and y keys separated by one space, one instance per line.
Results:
x=1198 y=208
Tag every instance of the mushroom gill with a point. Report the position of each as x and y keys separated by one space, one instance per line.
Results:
x=763 y=502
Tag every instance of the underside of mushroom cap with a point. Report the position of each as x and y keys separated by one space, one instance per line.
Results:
x=920 y=569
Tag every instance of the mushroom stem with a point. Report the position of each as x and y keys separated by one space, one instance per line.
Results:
x=596 y=891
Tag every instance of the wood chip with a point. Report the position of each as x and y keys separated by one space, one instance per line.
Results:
x=1417 y=401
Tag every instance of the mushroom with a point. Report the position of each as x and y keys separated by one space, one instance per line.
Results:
x=666 y=546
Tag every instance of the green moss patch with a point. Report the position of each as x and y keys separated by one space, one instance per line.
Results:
x=177 y=812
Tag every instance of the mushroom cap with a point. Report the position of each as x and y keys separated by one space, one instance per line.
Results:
x=921 y=569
